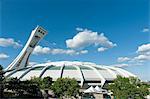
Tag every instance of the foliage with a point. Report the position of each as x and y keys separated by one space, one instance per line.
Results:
x=125 y=88
x=1 y=82
x=22 y=88
x=37 y=81
x=29 y=88
x=66 y=87
x=1 y=67
x=44 y=83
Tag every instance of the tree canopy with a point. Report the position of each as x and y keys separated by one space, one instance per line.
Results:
x=65 y=87
x=1 y=67
x=1 y=81
x=128 y=88
x=43 y=83
x=22 y=88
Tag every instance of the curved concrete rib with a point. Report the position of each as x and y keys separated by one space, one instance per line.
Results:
x=81 y=75
x=79 y=70
x=15 y=71
x=43 y=70
x=130 y=74
x=61 y=71
x=109 y=70
x=98 y=73
x=28 y=70
x=120 y=71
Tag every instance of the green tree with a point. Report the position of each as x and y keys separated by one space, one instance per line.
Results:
x=65 y=87
x=25 y=88
x=12 y=84
x=37 y=80
x=44 y=83
x=125 y=88
x=1 y=82
x=1 y=67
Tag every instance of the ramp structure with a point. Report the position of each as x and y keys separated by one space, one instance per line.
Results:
x=21 y=60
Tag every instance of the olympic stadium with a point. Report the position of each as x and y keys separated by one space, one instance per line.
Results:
x=86 y=73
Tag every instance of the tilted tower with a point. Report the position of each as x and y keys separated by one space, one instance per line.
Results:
x=22 y=59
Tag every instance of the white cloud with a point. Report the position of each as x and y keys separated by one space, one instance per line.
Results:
x=46 y=50
x=139 y=59
x=145 y=30
x=120 y=65
x=32 y=63
x=123 y=59
x=101 y=49
x=128 y=64
x=142 y=58
x=136 y=64
x=87 y=38
x=41 y=50
x=84 y=51
x=3 y=56
x=62 y=51
x=143 y=55
x=6 y=42
x=79 y=29
x=144 y=49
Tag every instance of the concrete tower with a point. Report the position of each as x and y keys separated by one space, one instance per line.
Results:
x=22 y=59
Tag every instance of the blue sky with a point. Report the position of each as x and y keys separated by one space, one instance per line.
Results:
x=123 y=22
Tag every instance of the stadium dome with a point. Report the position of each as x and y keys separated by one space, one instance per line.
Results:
x=85 y=73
